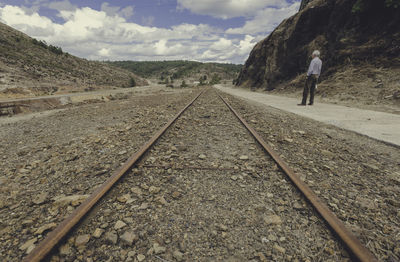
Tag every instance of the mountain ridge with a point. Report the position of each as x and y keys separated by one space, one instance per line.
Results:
x=29 y=67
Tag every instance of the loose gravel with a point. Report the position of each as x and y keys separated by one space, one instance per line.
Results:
x=241 y=209
x=51 y=164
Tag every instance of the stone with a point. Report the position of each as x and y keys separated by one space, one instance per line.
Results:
x=234 y=178
x=202 y=156
x=158 y=249
x=119 y=224
x=98 y=232
x=144 y=206
x=287 y=139
x=154 y=190
x=82 y=240
x=124 y=198
x=44 y=228
x=178 y=255
x=176 y=194
x=272 y=220
x=65 y=250
x=136 y=191
x=243 y=157
x=73 y=200
x=41 y=198
x=141 y=257
x=129 y=237
x=162 y=201
x=111 y=237
x=297 y=206
x=279 y=249
x=27 y=244
x=222 y=227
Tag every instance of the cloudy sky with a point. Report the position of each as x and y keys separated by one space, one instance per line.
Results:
x=202 y=30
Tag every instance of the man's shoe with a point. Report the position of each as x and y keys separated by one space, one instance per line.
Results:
x=310 y=104
x=301 y=104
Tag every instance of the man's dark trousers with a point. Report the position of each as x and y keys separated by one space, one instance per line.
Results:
x=309 y=86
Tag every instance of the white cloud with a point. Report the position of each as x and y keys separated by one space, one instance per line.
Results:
x=265 y=20
x=126 y=12
x=62 y=5
x=229 y=8
x=107 y=34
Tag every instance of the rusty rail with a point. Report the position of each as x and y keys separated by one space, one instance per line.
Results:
x=348 y=238
x=54 y=237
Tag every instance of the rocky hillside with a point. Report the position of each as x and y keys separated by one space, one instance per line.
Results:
x=29 y=67
x=363 y=40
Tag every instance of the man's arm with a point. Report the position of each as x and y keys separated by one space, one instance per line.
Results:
x=310 y=68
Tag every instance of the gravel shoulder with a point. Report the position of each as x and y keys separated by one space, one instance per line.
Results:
x=51 y=163
x=244 y=209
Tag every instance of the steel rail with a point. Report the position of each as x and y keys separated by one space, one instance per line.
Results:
x=54 y=237
x=348 y=238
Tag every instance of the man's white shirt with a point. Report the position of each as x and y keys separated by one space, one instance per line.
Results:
x=315 y=67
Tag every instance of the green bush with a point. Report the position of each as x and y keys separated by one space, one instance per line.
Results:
x=183 y=85
x=132 y=82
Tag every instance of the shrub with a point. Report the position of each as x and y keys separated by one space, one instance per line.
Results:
x=132 y=82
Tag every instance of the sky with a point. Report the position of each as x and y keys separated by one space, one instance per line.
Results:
x=150 y=30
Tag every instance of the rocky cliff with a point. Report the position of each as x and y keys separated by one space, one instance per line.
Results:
x=370 y=36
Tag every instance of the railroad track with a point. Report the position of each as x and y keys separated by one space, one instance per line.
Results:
x=179 y=158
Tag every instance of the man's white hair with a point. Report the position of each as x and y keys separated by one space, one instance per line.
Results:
x=316 y=53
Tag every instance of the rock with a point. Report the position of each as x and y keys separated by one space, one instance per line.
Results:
x=131 y=255
x=111 y=237
x=272 y=220
x=73 y=200
x=137 y=191
x=154 y=190
x=279 y=249
x=287 y=139
x=44 y=228
x=176 y=194
x=162 y=201
x=373 y=167
x=28 y=243
x=119 y=224
x=243 y=157
x=141 y=257
x=98 y=232
x=129 y=238
x=178 y=255
x=158 y=249
x=202 y=156
x=124 y=198
x=395 y=177
x=65 y=250
x=41 y=198
x=234 y=178
x=123 y=152
x=144 y=206
x=82 y=240
x=222 y=227
x=297 y=206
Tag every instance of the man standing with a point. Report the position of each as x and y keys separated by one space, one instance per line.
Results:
x=314 y=70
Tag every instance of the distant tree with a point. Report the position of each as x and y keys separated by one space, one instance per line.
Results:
x=183 y=85
x=132 y=82
x=216 y=79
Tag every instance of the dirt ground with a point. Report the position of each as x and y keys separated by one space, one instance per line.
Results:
x=167 y=210
x=367 y=88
